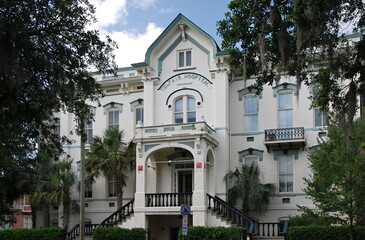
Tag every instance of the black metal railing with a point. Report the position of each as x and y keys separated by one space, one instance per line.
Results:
x=284 y=134
x=110 y=221
x=253 y=227
x=231 y=214
x=119 y=215
x=74 y=232
x=169 y=199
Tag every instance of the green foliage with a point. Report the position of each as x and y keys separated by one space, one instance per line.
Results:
x=311 y=218
x=325 y=233
x=31 y=234
x=214 y=233
x=269 y=39
x=116 y=233
x=337 y=184
x=110 y=156
x=47 y=54
x=246 y=186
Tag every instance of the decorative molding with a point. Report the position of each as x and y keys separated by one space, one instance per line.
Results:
x=119 y=106
x=185 y=89
x=134 y=103
x=251 y=151
x=189 y=144
x=293 y=151
x=245 y=91
x=285 y=86
x=149 y=146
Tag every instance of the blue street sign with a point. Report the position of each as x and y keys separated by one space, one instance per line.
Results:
x=185 y=210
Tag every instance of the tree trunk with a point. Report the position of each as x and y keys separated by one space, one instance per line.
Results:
x=46 y=216
x=119 y=189
x=66 y=212
x=34 y=217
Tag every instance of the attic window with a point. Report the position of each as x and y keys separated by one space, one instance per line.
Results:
x=184 y=58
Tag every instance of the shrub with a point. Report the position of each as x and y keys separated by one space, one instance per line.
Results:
x=31 y=234
x=325 y=232
x=116 y=233
x=213 y=233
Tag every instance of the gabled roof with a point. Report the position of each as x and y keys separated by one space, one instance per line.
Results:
x=180 y=19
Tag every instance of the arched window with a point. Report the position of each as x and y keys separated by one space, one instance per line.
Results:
x=185 y=109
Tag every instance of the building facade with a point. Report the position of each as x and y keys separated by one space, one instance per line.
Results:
x=193 y=119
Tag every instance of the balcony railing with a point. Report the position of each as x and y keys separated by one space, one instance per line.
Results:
x=168 y=199
x=174 y=129
x=283 y=134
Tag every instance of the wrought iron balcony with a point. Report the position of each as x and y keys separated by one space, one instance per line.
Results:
x=284 y=137
x=168 y=199
x=284 y=134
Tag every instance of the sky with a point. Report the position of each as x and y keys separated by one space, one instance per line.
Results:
x=135 y=24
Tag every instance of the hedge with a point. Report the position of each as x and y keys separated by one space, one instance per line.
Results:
x=116 y=233
x=213 y=233
x=52 y=233
x=324 y=232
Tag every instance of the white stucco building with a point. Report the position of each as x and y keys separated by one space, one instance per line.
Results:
x=194 y=119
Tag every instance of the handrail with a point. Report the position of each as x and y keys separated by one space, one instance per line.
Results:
x=73 y=232
x=118 y=215
x=254 y=227
x=232 y=212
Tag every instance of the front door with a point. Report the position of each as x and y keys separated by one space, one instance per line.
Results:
x=184 y=186
x=185 y=181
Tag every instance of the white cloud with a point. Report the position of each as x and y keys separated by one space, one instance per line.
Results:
x=109 y=12
x=167 y=10
x=143 y=3
x=132 y=47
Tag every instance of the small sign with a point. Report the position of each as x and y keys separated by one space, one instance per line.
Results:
x=185 y=220
x=185 y=210
x=184 y=230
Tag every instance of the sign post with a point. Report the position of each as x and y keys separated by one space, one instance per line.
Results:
x=185 y=212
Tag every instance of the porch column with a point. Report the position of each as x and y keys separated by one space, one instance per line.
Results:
x=140 y=200
x=199 y=207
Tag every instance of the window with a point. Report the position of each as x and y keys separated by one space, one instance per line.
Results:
x=88 y=191
x=285 y=110
x=285 y=173
x=251 y=160
x=89 y=131
x=28 y=222
x=185 y=109
x=320 y=118
x=139 y=114
x=184 y=58
x=111 y=186
x=250 y=113
x=113 y=118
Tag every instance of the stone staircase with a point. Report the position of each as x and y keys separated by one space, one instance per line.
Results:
x=256 y=230
x=111 y=221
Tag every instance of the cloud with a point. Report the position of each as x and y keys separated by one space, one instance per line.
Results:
x=109 y=12
x=132 y=47
x=167 y=10
x=143 y=4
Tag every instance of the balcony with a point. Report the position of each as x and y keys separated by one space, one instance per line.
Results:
x=175 y=132
x=284 y=138
x=168 y=199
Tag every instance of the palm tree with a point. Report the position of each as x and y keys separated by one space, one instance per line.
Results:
x=109 y=156
x=246 y=185
x=58 y=188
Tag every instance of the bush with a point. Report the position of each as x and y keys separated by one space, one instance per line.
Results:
x=213 y=233
x=325 y=233
x=31 y=234
x=116 y=233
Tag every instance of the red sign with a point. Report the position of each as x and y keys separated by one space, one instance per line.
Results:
x=199 y=165
x=140 y=168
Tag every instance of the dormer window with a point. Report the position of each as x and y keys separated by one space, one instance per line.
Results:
x=184 y=58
